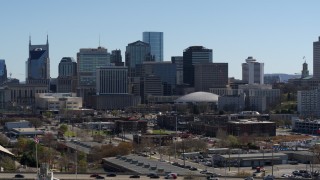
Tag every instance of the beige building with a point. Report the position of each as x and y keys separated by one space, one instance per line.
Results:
x=57 y=101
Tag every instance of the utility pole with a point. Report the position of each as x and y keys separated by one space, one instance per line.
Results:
x=272 y=161
x=175 y=141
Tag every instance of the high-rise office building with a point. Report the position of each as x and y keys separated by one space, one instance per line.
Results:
x=210 y=75
x=178 y=61
x=191 y=56
x=112 y=80
x=137 y=53
x=166 y=71
x=155 y=40
x=67 y=77
x=316 y=59
x=88 y=61
x=116 y=58
x=67 y=67
x=38 y=64
x=3 y=71
x=253 y=71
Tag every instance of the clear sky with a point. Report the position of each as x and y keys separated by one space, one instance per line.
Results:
x=276 y=32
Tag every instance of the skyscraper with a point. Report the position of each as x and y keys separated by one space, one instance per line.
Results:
x=116 y=58
x=112 y=80
x=194 y=55
x=155 y=40
x=210 y=75
x=38 y=64
x=136 y=53
x=3 y=71
x=178 y=61
x=316 y=59
x=253 y=71
x=89 y=59
x=67 y=77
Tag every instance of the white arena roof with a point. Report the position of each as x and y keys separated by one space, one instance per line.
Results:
x=198 y=97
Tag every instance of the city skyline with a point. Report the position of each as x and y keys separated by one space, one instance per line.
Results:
x=275 y=33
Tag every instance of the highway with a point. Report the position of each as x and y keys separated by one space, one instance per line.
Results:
x=32 y=176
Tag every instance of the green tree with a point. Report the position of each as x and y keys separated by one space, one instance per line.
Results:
x=233 y=141
x=7 y=163
x=63 y=128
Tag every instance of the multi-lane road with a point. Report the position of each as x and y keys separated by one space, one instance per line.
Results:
x=30 y=176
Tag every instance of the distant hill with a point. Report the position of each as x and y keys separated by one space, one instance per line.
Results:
x=284 y=77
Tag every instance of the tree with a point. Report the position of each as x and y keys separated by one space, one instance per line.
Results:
x=36 y=122
x=232 y=141
x=63 y=128
x=3 y=140
x=7 y=163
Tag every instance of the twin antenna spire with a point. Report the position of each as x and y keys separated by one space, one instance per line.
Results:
x=47 y=39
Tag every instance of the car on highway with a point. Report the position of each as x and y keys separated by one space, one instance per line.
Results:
x=151 y=174
x=249 y=178
x=171 y=176
x=193 y=169
x=18 y=176
x=111 y=175
x=99 y=177
x=134 y=176
x=155 y=176
x=94 y=175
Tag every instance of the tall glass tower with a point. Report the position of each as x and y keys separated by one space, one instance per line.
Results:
x=38 y=63
x=155 y=39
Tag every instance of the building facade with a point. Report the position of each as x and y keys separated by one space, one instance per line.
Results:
x=116 y=58
x=137 y=53
x=178 y=61
x=57 y=101
x=38 y=64
x=210 y=75
x=191 y=56
x=155 y=40
x=3 y=71
x=166 y=71
x=88 y=60
x=67 y=77
x=308 y=103
x=253 y=71
x=112 y=80
x=316 y=59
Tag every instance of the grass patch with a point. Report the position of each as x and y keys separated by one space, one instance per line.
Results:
x=160 y=131
x=70 y=134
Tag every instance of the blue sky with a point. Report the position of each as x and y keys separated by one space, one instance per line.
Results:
x=278 y=33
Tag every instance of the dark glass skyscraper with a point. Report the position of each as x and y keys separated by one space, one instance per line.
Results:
x=38 y=64
x=67 y=67
x=316 y=59
x=194 y=55
x=136 y=53
x=67 y=78
x=3 y=71
x=155 y=40
x=116 y=58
